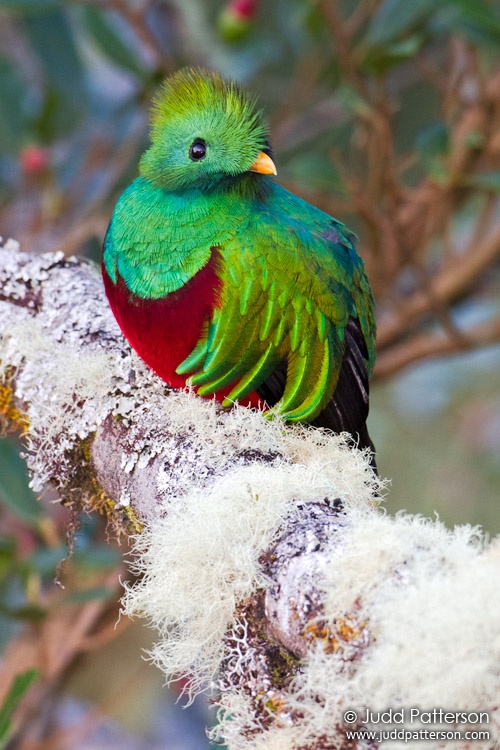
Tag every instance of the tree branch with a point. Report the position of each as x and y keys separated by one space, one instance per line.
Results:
x=265 y=564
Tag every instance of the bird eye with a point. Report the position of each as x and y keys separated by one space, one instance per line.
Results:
x=198 y=150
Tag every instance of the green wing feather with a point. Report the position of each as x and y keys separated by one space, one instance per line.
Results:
x=291 y=281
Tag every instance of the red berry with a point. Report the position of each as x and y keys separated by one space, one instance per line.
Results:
x=34 y=159
x=236 y=20
x=242 y=8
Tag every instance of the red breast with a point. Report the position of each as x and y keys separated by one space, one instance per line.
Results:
x=164 y=331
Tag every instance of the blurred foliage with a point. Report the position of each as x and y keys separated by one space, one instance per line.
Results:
x=16 y=692
x=33 y=545
x=385 y=113
x=76 y=77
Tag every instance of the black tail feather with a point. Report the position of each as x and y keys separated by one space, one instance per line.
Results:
x=348 y=409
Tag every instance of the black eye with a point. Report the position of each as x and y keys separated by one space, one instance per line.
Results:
x=198 y=150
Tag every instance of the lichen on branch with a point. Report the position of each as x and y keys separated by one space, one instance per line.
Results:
x=264 y=560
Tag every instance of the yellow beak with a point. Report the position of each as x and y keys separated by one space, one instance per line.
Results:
x=263 y=164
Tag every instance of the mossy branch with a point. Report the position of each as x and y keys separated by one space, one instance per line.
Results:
x=266 y=565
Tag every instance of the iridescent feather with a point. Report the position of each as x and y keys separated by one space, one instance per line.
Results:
x=289 y=313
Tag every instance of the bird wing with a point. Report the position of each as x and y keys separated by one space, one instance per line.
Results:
x=289 y=290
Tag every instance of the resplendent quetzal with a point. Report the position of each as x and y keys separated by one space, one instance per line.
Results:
x=220 y=278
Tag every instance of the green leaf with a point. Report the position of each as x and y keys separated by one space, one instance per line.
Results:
x=434 y=140
x=97 y=558
x=314 y=171
x=51 y=38
x=12 y=121
x=381 y=58
x=28 y=613
x=46 y=123
x=15 y=492
x=8 y=547
x=350 y=100
x=396 y=17
x=45 y=560
x=110 y=42
x=20 y=686
x=486 y=181
x=30 y=5
x=8 y=551
x=433 y=144
x=477 y=20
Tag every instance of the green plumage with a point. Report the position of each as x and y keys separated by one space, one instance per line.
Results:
x=291 y=279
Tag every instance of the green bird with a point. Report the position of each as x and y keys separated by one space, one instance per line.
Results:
x=223 y=280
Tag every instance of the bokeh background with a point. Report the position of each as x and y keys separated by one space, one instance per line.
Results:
x=386 y=114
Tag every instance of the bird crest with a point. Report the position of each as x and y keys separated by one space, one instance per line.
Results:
x=197 y=94
x=200 y=109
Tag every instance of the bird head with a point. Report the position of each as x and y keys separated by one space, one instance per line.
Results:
x=205 y=131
